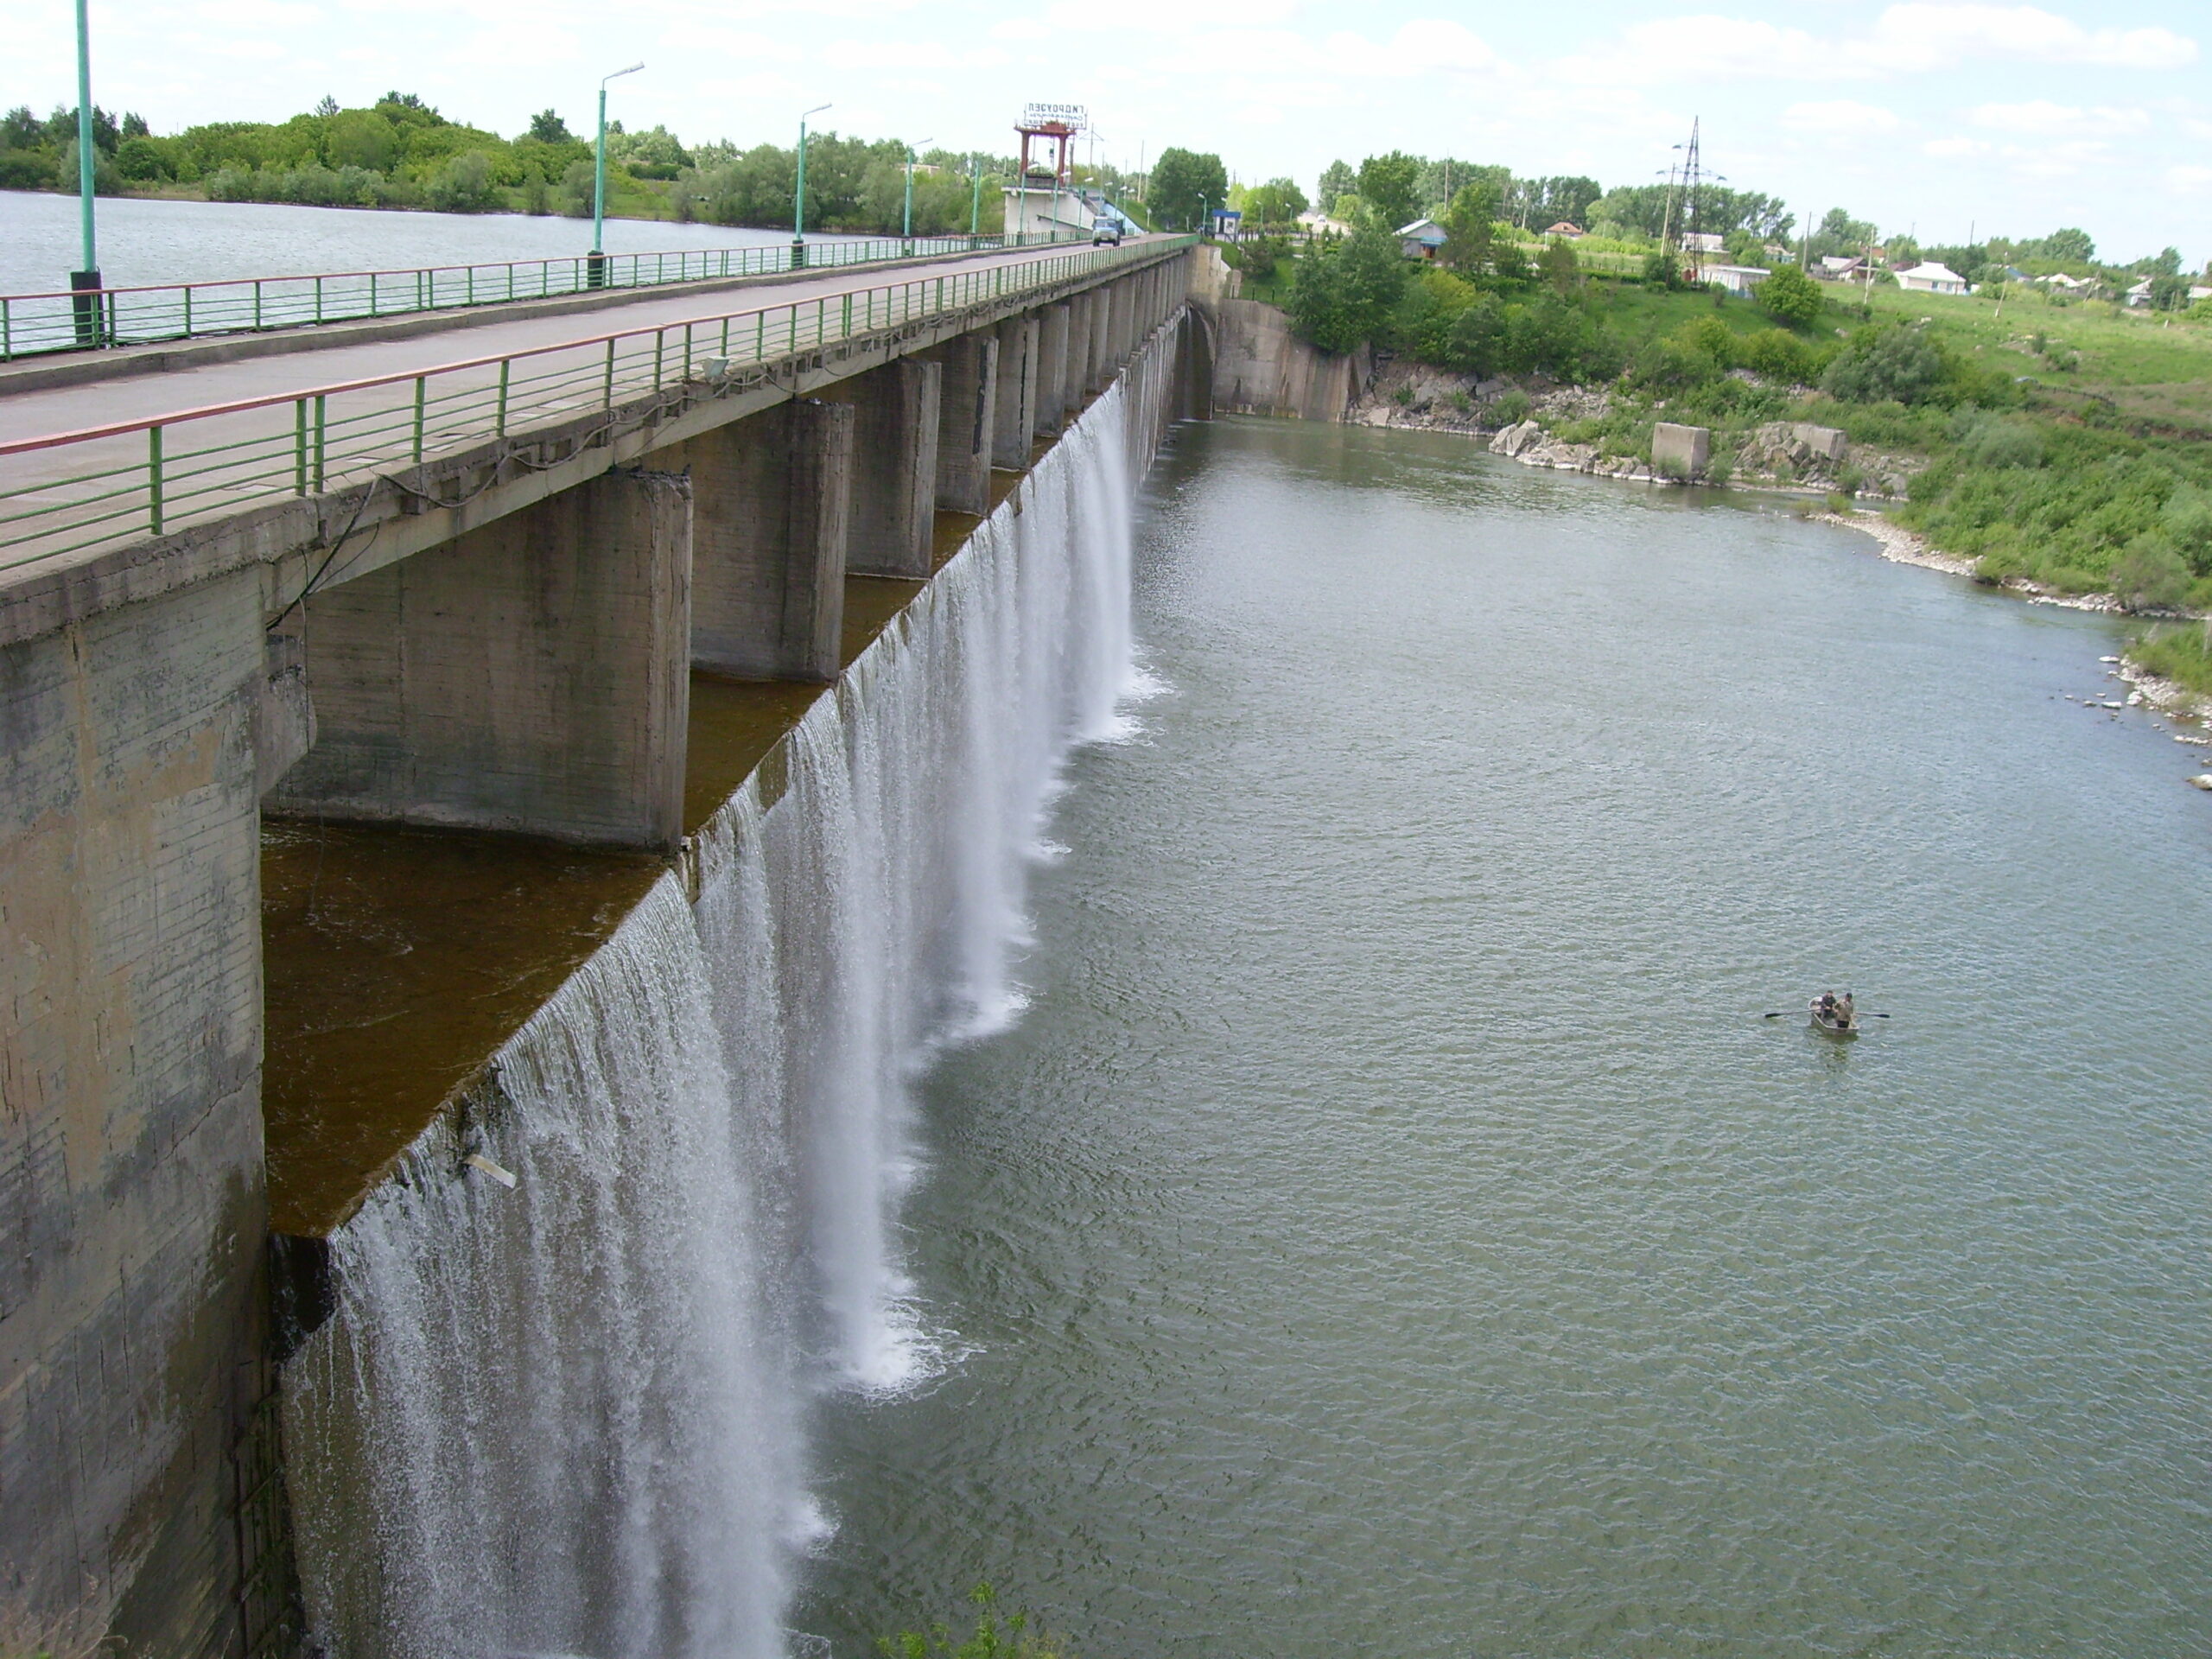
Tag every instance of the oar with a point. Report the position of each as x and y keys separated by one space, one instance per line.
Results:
x=1863 y=1014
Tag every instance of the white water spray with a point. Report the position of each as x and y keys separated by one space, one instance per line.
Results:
x=564 y=1419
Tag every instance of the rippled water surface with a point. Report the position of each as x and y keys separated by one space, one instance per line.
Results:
x=143 y=242
x=1393 y=1229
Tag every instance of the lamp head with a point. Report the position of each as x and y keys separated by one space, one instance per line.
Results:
x=618 y=73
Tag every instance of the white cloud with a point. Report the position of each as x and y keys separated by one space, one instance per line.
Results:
x=1839 y=115
x=2193 y=180
x=1953 y=149
x=1914 y=38
x=1019 y=28
x=2046 y=119
x=1170 y=17
x=1924 y=36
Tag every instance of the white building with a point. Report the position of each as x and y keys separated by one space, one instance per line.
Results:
x=1739 y=280
x=1931 y=279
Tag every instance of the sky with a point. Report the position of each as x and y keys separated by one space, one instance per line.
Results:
x=1942 y=117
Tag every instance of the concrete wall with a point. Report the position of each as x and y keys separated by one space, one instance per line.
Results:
x=1052 y=368
x=531 y=677
x=1261 y=368
x=131 y=1201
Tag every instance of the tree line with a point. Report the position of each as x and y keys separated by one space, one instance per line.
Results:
x=401 y=152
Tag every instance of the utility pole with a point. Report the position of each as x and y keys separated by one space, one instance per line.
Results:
x=798 y=196
x=976 y=206
x=595 y=265
x=906 y=227
x=86 y=282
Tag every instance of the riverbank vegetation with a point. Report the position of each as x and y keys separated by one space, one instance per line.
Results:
x=2181 y=653
x=2051 y=439
x=402 y=153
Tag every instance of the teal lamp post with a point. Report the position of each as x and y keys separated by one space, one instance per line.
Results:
x=976 y=206
x=798 y=195
x=907 y=225
x=596 y=266
x=86 y=302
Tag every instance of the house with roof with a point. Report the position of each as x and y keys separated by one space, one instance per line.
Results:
x=1838 y=267
x=1421 y=238
x=1739 y=280
x=1572 y=232
x=2140 y=294
x=1696 y=242
x=1930 y=278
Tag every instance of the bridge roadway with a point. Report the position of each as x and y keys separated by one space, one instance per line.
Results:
x=95 y=480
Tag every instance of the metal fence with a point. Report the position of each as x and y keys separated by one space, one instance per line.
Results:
x=106 y=485
x=32 y=324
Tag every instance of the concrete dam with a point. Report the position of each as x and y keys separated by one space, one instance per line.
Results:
x=491 y=835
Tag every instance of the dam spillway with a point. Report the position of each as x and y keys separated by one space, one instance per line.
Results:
x=567 y=1416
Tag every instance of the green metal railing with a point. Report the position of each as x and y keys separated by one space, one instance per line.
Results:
x=152 y=477
x=34 y=324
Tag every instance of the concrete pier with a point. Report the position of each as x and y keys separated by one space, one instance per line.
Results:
x=132 y=1338
x=1053 y=369
x=894 y=471
x=770 y=500
x=531 y=676
x=1013 y=418
x=966 y=426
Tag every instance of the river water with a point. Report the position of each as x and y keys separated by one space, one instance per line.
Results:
x=1392 y=1228
x=144 y=242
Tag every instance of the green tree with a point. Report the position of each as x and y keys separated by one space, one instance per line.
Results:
x=1279 y=201
x=1468 y=227
x=1390 y=186
x=1343 y=293
x=1558 y=266
x=547 y=128
x=1792 y=296
x=1338 y=179
x=1185 y=184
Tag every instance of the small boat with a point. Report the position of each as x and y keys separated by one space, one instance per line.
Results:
x=1833 y=1014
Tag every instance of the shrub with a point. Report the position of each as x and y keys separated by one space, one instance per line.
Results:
x=991 y=1640
x=1792 y=295
x=1990 y=442
x=1891 y=364
x=2178 y=653
x=1776 y=354
x=1512 y=409
x=2149 y=575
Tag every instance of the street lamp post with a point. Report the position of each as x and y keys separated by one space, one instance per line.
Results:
x=798 y=196
x=906 y=226
x=85 y=303
x=975 y=205
x=595 y=265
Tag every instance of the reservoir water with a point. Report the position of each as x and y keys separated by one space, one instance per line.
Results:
x=144 y=242
x=1392 y=1228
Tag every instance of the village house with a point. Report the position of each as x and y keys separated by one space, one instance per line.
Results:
x=1570 y=231
x=1739 y=280
x=1930 y=278
x=1839 y=268
x=1421 y=239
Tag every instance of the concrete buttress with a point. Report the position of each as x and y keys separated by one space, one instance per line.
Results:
x=1051 y=370
x=771 y=499
x=532 y=676
x=966 y=425
x=1013 y=421
x=895 y=410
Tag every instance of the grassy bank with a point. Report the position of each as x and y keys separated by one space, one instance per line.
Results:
x=2180 y=653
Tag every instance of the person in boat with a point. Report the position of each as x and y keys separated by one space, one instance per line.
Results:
x=1824 y=1008
x=1846 y=1011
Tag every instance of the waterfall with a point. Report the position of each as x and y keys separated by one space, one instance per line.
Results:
x=566 y=1418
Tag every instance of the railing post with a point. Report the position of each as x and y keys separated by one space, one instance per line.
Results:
x=372 y=293
x=257 y=301
x=188 y=312
x=7 y=344
x=154 y=476
x=505 y=364
x=848 y=314
x=610 y=375
x=300 y=446
x=318 y=299
x=660 y=343
x=422 y=397
x=322 y=435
